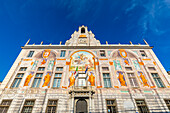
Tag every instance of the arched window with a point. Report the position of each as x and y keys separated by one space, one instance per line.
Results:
x=83 y=30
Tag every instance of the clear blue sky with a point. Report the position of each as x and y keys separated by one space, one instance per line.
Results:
x=52 y=21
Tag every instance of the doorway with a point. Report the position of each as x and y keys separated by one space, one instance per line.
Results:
x=81 y=106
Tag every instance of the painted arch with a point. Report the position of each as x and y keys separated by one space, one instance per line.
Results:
x=82 y=59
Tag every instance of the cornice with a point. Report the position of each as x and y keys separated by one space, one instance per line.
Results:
x=87 y=47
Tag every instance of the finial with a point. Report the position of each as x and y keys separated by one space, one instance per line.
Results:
x=60 y=42
x=27 y=42
x=145 y=42
x=119 y=43
x=50 y=44
x=106 y=42
x=33 y=44
x=41 y=43
x=130 y=42
x=139 y=43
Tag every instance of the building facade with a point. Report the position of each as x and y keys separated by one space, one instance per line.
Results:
x=85 y=76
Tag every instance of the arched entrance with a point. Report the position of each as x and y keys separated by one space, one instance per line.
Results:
x=81 y=106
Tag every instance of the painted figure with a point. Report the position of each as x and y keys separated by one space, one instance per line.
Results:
x=47 y=80
x=72 y=80
x=121 y=79
x=143 y=79
x=92 y=80
x=28 y=79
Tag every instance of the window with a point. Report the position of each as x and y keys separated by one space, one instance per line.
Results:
x=59 y=69
x=63 y=52
x=83 y=30
x=111 y=106
x=107 y=81
x=52 y=106
x=132 y=79
x=105 y=68
x=17 y=80
x=168 y=103
x=30 y=54
x=41 y=68
x=143 y=53
x=57 y=79
x=28 y=106
x=37 y=80
x=128 y=68
x=102 y=53
x=23 y=69
x=81 y=79
x=151 y=69
x=157 y=80
x=142 y=107
x=4 y=106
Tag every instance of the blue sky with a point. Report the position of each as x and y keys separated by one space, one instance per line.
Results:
x=52 y=21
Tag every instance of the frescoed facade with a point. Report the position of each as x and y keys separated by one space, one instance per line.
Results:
x=85 y=76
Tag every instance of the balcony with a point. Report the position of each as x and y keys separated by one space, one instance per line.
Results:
x=81 y=91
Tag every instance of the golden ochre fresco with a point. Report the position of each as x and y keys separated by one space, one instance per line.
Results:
x=82 y=59
x=28 y=79
x=46 y=80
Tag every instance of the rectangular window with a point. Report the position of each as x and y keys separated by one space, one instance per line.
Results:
x=102 y=53
x=51 y=106
x=143 y=53
x=111 y=106
x=132 y=79
x=37 y=80
x=168 y=103
x=151 y=68
x=128 y=68
x=81 y=79
x=23 y=69
x=105 y=68
x=17 y=80
x=41 y=68
x=59 y=69
x=63 y=52
x=157 y=80
x=28 y=106
x=30 y=54
x=142 y=107
x=4 y=106
x=57 y=79
x=107 y=81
